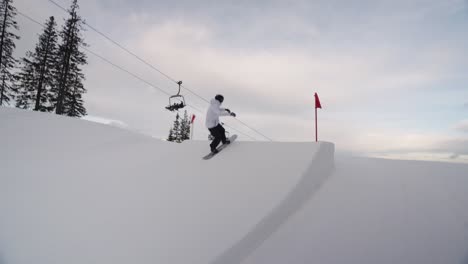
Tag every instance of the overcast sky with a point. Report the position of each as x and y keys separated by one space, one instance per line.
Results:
x=391 y=75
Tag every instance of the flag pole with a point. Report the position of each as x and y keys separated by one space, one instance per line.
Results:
x=317 y=105
x=193 y=126
x=191 y=132
x=316 y=127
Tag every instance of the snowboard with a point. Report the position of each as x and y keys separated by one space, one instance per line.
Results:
x=220 y=148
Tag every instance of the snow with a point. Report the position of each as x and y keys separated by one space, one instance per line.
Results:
x=379 y=211
x=106 y=121
x=74 y=191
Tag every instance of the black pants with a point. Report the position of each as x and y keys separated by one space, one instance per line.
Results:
x=219 y=135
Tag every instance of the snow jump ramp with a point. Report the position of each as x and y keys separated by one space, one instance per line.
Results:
x=72 y=191
x=75 y=192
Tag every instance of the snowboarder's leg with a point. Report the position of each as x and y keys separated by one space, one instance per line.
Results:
x=215 y=132
x=214 y=144
x=222 y=134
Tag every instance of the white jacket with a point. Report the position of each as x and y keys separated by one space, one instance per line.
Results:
x=214 y=112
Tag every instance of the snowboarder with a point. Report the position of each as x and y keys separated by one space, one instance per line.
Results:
x=212 y=122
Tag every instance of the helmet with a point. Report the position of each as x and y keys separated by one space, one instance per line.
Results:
x=219 y=97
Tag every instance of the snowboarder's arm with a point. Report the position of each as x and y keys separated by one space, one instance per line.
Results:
x=230 y=112
x=219 y=111
x=224 y=112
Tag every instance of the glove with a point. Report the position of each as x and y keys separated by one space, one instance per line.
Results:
x=233 y=114
x=227 y=110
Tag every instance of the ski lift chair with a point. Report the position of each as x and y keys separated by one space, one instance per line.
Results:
x=177 y=101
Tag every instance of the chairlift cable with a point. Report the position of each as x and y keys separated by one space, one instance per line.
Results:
x=132 y=74
x=153 y=67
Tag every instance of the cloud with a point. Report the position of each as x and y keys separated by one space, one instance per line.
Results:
x=462 y=126
x=282 y=78
x=426 y=156
x=457 y=146
x=395 y=143
x=424 y=147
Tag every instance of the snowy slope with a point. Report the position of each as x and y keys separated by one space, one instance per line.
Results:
x=379 y=211
x=111 y=196
x=73 y=191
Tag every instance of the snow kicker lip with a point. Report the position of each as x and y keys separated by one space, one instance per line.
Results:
x=318 y=171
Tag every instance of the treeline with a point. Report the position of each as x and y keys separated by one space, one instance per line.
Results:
x=50 y=77
x=180 y=130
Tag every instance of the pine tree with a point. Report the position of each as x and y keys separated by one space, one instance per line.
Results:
x=180 y=130
x=7 y=45
x=185 y=127
x=174 y=132
x=36 y=78
x=73 y=104
x=171 y=136
x=25 y=80
x=176 y=129
x=70 y=88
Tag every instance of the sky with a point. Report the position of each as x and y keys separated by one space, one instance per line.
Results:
x=391 y=75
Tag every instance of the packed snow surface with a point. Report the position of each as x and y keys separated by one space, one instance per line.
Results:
x=73 y=191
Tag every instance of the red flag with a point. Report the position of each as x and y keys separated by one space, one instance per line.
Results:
x=317 y=101
x=193 y=119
